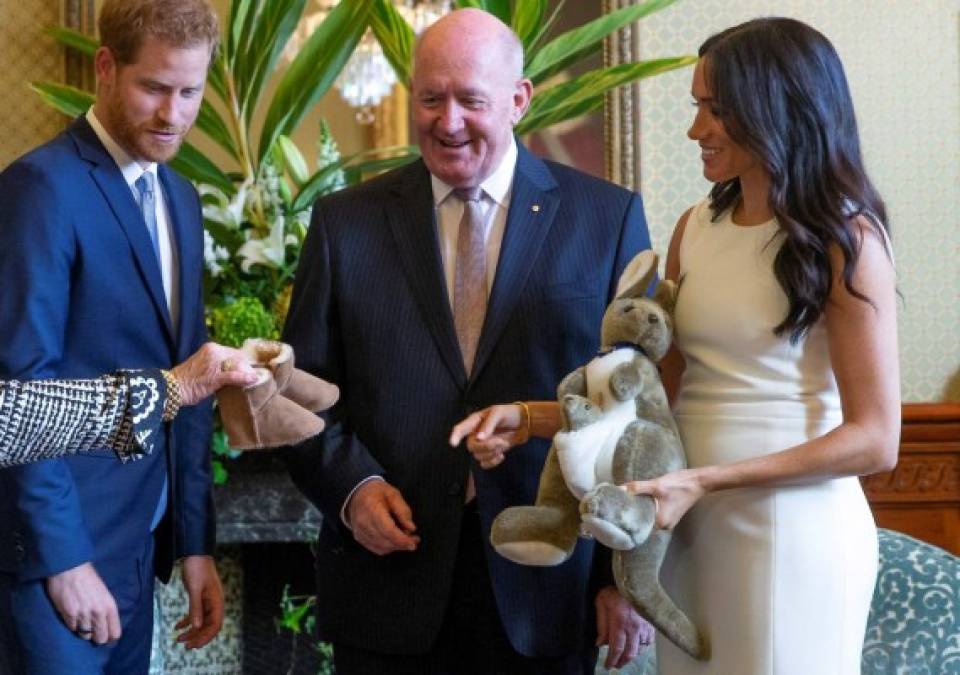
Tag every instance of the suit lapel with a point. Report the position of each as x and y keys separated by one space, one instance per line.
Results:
x=182 y=220
x=533 y=205
x=413 y=222
x=120 y=199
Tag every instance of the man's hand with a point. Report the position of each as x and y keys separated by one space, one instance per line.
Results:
x=205 y=615
x=84 y=603
x=620 y=628
x=381 y=519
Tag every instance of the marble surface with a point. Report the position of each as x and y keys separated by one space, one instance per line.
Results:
x=259 y=503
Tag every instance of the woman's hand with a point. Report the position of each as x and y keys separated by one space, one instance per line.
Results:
x=209 y=368
x=674 y=493
x=491 y=432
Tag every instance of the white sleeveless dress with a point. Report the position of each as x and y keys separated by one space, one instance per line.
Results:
x=779 y=579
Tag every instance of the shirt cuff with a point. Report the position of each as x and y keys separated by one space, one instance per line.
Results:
x=346 y=502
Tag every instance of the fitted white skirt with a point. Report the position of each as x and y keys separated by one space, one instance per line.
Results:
x=778 y=579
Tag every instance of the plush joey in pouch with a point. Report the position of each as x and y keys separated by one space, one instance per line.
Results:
x=279 y=408
x=617 y=428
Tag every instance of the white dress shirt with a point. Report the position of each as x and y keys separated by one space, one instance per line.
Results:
x=132 y=170
x=494 y=203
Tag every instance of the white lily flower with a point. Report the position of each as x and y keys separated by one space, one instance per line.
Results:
x=226 y=211
x=269 y=251
x=213 y=254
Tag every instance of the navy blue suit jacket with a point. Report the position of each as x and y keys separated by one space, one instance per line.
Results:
x=81 y=295
x=370 y=312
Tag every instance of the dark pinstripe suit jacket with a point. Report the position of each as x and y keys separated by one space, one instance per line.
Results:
x=370 y=312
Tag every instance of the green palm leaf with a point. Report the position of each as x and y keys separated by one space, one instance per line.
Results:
x=211 y=123
x=366 y=161
x=314 y=69
x=68 y=100
x=577 y=44
x=74 y=39
x=239 y=11
x=526 y=20
x=531 y=50
x=193 y=165
x=355 y=173
x=396 y=38
x=585 y=93
x=273 y=28
x=499 y=8
x=217 y=75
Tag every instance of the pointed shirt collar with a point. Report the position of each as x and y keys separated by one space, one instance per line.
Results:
x=129 y=167
x=496 y=186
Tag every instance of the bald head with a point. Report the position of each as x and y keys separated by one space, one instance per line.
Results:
x=468 y=93
x=470 y=33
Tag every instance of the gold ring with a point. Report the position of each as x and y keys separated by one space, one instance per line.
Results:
x=656 y=506
x=227 y=365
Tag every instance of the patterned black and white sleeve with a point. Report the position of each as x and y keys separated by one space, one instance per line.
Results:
x=41 y=419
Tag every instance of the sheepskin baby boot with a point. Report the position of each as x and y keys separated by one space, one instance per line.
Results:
x=257 y=416
x=299 y=386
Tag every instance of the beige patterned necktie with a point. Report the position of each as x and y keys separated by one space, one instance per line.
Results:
x=470 y=278
x=470 y=288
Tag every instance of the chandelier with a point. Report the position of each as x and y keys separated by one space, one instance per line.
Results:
x=367 y=76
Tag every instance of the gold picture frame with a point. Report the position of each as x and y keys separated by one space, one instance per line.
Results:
x=79 y=15
x=621 y=110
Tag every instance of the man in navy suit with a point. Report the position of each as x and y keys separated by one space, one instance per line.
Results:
x=101 y=254
x=386 y=304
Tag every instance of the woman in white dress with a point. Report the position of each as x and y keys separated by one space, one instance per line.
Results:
x=784 y=369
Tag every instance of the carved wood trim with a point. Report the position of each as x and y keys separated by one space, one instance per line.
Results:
x=921 y=496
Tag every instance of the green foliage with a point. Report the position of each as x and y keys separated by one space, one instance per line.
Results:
x=297 y=618
x=544 y=56
x=221 y=453
x=233 y=322
x=587 y=92
x=294 y=612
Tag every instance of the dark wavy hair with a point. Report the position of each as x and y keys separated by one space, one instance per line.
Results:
x=781 y=93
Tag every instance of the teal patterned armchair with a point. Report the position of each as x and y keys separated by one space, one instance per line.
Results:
x=914 y=623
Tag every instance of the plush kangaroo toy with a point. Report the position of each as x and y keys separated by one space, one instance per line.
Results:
x=618 y=428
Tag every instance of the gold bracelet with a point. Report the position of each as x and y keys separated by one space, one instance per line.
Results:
x=171 y=406
x=525 y=433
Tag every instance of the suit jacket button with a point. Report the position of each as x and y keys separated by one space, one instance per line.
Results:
x=455 y=489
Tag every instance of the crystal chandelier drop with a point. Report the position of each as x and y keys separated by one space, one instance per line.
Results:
x=367 y=76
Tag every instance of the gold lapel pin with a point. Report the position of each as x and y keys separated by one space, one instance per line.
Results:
x=535 y=208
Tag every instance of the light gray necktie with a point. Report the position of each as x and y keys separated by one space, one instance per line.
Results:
x=148 y=206
x=470 y=278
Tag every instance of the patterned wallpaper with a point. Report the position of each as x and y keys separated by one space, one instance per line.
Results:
x=903 y=62
x=26 y=54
